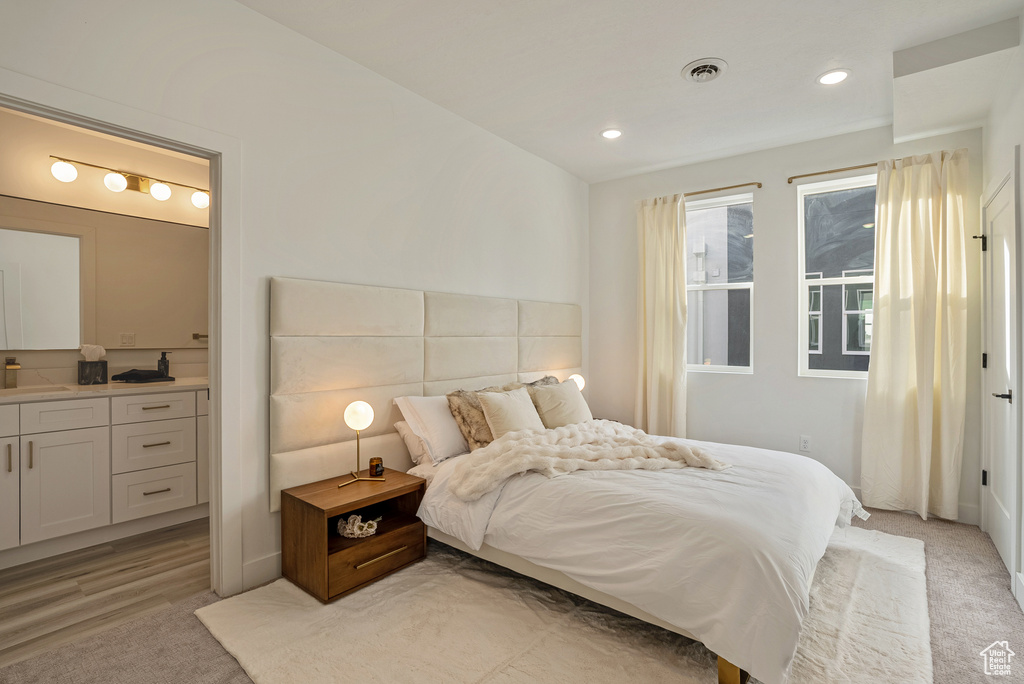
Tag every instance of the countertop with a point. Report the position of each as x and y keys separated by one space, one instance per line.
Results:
x=24 y=395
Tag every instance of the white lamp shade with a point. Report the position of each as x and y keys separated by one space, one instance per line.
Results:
x=200 y=199
x=63 y=171
x=160 y=191
x=578 y=379
x=115 y=182
x=358 y=415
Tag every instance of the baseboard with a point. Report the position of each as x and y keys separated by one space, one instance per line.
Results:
x=970 y=514
x=261 y=570
x=100 y=535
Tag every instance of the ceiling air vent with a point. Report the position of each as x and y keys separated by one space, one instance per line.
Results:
x=704 y=70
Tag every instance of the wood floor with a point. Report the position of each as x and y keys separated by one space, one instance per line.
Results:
x=57 y=600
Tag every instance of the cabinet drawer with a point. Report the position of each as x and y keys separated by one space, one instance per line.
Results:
x=148 y=492
x=203 y=402
x=8 y=420
x=377 y=556
x=72 y=414
x=142 y=407
x=137 y=446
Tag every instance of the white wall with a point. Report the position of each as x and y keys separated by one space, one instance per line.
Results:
x=345 y=176
x=772 y=407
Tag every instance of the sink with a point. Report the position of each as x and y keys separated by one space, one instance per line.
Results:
x=33 y=390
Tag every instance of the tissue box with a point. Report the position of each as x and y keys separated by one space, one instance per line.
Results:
x=92 y=372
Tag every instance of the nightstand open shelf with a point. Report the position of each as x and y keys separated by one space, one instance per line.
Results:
x=315 y=557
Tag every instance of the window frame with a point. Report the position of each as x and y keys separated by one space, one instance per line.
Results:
x=804 y=284
x=716 y=203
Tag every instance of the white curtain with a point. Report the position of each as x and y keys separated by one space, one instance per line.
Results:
x=917 y=396
x=661 y=341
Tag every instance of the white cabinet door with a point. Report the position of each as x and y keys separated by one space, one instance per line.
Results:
x=202 y=459
x=10 y=475
x=65 y=483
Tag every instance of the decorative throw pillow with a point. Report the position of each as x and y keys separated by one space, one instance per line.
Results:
x=509 y=412
x=431 y=420
x=469 y=415
x=560 y=405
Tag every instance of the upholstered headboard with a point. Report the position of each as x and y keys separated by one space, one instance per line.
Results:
x=334 y=343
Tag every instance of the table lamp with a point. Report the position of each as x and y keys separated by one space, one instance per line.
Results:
x=578 y=379
x=358 y=416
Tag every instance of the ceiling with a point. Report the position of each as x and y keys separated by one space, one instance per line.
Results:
x=550 y=75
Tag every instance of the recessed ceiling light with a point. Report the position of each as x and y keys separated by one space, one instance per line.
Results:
x=611 y=133
x=833 y=77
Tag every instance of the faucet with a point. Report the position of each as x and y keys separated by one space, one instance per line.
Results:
x=11 y=368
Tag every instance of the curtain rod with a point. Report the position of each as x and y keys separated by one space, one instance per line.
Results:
x=727 y=187
x=822 y=173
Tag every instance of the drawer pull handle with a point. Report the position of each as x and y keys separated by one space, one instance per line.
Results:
x=30 y=455
x=146 y=446
x=10 y=459
x=150 y=408
x=380 y=558
x=159 y=491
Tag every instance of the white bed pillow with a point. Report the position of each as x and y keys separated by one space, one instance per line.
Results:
x=509 y=411
x=561 y=404
x=431 y=420
x=414 y=443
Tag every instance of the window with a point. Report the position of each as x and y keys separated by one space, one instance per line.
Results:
x=837 y=267
x=720 y=283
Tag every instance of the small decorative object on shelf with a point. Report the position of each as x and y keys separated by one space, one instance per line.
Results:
x=376 y=467
x=355 y=528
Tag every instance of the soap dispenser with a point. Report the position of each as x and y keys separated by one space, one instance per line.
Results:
x=164 y=365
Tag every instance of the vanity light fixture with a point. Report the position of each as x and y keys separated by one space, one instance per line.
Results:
x=63 y=171
x=66 y=171
x=115 y=182
x=833 y=77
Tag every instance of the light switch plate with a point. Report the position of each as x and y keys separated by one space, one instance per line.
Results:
x=127 y=339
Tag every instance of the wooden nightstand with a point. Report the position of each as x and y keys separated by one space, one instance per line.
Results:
x=315 y=557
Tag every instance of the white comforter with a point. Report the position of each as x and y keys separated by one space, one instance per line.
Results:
x=726 y=555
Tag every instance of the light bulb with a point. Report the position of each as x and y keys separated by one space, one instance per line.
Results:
x=611 y=133
x=115 y=181
x=200 y=199
x=578 y=379
x=63 y=171
x=160 y=191
x=358 y=415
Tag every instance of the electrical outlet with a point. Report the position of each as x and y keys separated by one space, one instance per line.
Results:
x=127 y=339
x=805 y=443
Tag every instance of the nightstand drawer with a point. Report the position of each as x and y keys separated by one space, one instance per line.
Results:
x=374 y=557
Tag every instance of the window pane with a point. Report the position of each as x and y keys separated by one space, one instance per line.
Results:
x=836 y=340
x=718 y=327
x=720 y=245
x=858 y=332
x=839 y=232
x=858 y=297
x=813 y=333
x=814 y=298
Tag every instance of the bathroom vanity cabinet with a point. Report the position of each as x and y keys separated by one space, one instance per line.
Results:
x=72 y=465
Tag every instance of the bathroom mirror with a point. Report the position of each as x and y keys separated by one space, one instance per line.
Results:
x=40 y=291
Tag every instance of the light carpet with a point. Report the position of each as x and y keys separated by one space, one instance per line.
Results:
x=451 y=618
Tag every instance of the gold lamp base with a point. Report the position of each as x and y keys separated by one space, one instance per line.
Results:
x=356 y=478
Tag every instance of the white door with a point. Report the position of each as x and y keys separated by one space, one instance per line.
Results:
x=10 y=475
x=1000 y=458
x=65 y=483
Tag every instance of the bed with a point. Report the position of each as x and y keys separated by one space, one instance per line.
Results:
x=333 y=343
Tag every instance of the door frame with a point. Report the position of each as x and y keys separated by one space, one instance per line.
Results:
x=34 y=96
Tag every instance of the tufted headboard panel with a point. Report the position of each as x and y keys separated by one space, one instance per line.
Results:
x=334 y=343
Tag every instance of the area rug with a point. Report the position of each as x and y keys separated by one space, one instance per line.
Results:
x=455 y=618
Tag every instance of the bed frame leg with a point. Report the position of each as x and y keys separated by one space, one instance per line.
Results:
x=731 y=674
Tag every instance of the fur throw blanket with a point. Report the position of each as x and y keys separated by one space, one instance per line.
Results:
x=593 y=445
